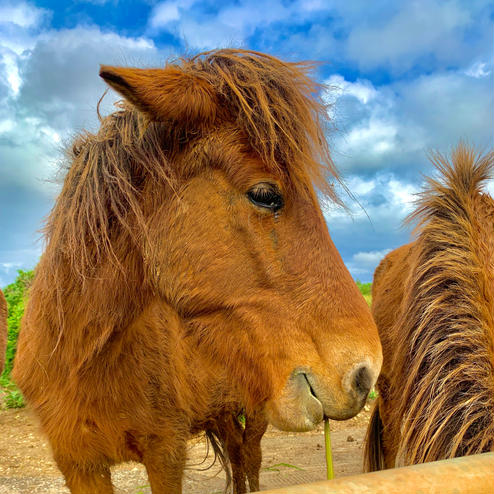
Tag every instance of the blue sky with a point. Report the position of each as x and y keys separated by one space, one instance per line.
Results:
x=405 y=77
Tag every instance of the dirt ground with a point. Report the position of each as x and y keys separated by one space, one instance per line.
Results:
x=26 y=465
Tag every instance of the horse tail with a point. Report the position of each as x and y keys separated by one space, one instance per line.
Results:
x=373 y=449
x=221 y=455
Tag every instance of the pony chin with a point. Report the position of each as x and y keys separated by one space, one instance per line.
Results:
x=293 y=415
x=297 y=409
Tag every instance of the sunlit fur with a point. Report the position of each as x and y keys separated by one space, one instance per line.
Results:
x=164 y=297
x=3 y=330
x=433 y=302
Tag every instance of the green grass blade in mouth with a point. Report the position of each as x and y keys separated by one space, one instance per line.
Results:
x=329 y=456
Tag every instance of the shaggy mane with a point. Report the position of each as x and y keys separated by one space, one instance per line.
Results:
x=279 y=107
x=446 y=402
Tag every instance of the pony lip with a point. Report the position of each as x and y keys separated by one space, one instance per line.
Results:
x=313 y=393
x=313 y=397
x=320 y=395
x=301 y=410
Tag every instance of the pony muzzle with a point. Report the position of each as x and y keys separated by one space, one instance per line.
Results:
x=307 y=398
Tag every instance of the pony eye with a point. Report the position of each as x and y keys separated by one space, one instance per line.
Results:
x=266 y=195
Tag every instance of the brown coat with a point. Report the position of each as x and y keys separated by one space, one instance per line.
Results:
x=433 y=303
x=188 y=269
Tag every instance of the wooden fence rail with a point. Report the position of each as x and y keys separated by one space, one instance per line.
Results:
x=466 y=475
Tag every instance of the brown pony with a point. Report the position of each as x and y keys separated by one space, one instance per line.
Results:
x=188 y=269
x=3 y=330
x=433 y=302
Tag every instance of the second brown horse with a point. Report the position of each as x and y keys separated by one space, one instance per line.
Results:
x=433 y=302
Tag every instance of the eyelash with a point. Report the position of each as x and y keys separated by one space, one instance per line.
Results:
x=266 y=195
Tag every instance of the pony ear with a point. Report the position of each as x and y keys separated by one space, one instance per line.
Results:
x=165 y=94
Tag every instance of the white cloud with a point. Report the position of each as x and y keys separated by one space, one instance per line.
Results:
x=30 y=151
x=165 y=13
x=365 y=263
x=449 y=106
x=206 y=25
x=398 y=37
x=374 y=137
x=17 y=259
x=417 y=29
x=12 y=72
x=64 y=65
x=168 y=12
x=360 y=186
x=7 y=266
x=489 y=187
x=403 y=195
x=394 y=125
x=20 y=24
x=21 y=14
x=478 y=69
x=378 y=198
x=370 y=258
x=6 y=125
x=54 y=90
x=226 y=26
x=363 y=90
x=370 y=131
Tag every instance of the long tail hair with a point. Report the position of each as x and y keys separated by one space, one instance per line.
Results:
x=373 y=447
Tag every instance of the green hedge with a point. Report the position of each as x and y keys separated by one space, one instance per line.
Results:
x=365 y=290
x=15 y=295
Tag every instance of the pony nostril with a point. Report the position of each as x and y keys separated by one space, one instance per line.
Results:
x=362 y=381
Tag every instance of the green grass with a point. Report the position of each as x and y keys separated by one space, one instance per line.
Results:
x=366 y=291
x=279 y=466
x=13 y=398
x=15 y=294
x=373 y=394
x=142 y=489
